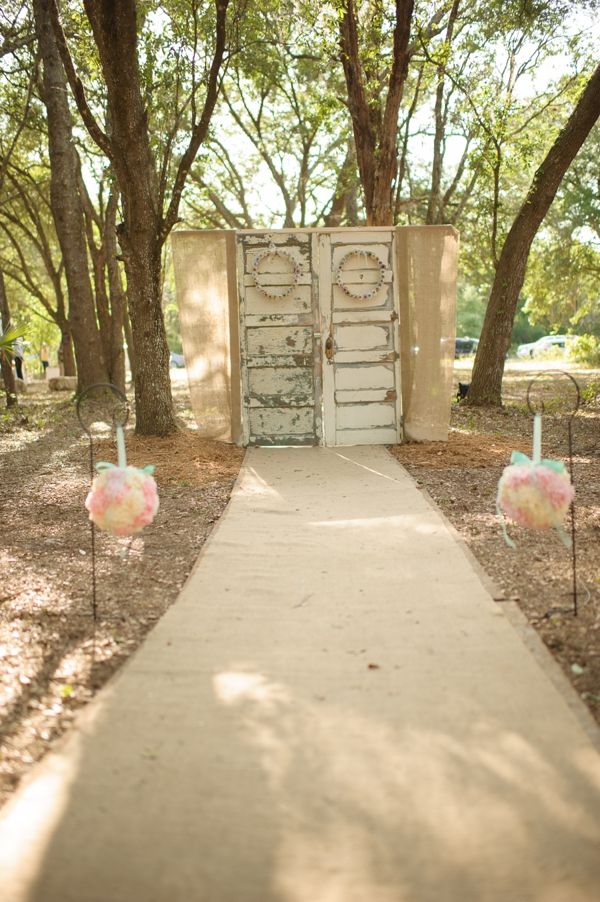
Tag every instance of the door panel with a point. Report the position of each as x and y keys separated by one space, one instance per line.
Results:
x=280 y=421
x=328 y=291
x=270 y=386
x=364 y=394
x=279 y=340
x=361 y=377
x=363 y=337
x=348 y=377
x=277 y=311
x=355 y=416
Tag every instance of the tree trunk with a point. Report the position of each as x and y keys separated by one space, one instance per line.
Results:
x=434 y=207
x=115 y=33
x=488 y=369
x=117 y=298
x=128 y=337
x=375 y=135
x=66 y=356
x=344 y=184
x=127 y=145
x=8 y=377
x=154 y=407
x=67 y=208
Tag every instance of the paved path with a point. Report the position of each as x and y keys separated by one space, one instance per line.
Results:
x=334 y=711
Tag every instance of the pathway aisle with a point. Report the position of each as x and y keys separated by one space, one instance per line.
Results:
x=334 y=711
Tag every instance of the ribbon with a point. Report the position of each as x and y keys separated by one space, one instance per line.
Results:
x=520 y=459
x=105 y=465
x=121 y=456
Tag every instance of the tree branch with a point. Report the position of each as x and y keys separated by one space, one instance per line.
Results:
x=96 y=133
x=200 y=130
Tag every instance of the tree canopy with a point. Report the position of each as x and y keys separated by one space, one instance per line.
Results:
x=226 y=113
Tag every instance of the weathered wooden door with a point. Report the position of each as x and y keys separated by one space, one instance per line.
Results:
x=361 y=368
x=280 y=355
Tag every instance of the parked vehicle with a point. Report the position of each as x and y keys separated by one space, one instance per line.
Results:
x=177 y=360
x=465 y=346
x=547 y=343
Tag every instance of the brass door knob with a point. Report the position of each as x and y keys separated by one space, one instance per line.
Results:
x=329 y=349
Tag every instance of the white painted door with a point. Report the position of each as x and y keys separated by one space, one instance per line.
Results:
x=279 y=343
x=359 y=324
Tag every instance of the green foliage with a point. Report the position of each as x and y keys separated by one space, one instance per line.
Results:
x=470 y=310
x=524 y=331
x=7 y=337
x=280 y=144
x=586 y=349
x=590 y=394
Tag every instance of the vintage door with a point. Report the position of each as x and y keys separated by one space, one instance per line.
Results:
x=280 y=359
x=361 y=364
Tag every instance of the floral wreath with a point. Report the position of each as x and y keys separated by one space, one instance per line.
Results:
x=363 y=296
x=257 y=273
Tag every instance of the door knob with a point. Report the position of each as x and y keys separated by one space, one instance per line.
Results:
x=329 y=349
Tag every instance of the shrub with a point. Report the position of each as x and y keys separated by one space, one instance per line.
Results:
x=586 y=349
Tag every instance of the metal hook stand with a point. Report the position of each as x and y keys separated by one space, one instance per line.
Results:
x=540 y=409
x=104 y=403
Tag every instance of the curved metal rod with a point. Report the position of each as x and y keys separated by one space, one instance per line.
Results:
x=87 y=429
x=570 y=438
x=105 y=385
x=531 y=406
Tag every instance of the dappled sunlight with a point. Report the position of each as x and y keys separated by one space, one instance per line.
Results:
x=253 y=484
x=586 y=761
x=36 y=814
x=368 y=469
x=353 y=791
x=199 y=370
x=238 y=686
x=413 y=522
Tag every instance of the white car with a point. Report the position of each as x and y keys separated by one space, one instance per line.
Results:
x=546 y=343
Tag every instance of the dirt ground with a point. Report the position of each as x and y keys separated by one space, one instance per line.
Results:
x=53 y=657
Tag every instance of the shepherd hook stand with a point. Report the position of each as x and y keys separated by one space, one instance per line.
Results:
x=540 y=409
x=94 y=405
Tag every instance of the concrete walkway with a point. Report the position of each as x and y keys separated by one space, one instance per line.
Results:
x=334 y=711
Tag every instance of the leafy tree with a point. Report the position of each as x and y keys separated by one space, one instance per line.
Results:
x=374 y=94
x=67 y=206
x=128 y=43
x=563 y=272
x=488 y=369
x=278 y=152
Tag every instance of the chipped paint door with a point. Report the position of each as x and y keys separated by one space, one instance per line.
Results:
x=361 y=368
x=280 y=354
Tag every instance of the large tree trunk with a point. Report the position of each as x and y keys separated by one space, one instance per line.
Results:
x=375 y=134
x=150 y=350
x=8 y=377
x=128 y=337
x=145 y=227
x=67 y=208
x=488 y=369
x=66 y=355
x=115 y=33
x=117 y=297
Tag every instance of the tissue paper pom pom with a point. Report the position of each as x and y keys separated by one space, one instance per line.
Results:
x=122 y=500
x=535 y=496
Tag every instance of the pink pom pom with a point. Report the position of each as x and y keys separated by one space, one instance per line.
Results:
x=535 y=496
x=122 y=500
